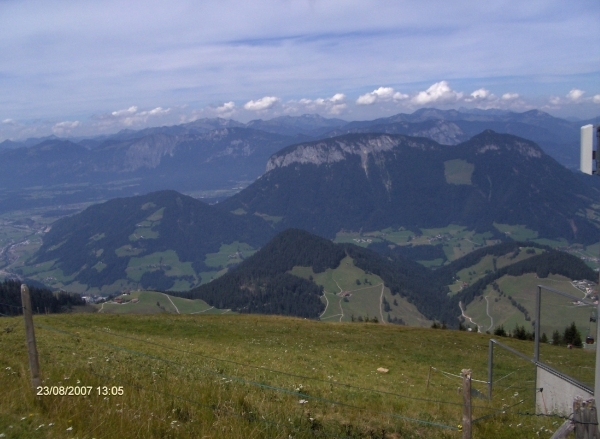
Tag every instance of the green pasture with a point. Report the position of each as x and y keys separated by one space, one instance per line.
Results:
x=229 y=254
x=458 y=171
x=486 y=265
x=167 y=261
x=147 y=304
x=516 y=232
x=233 y=376
x=365 y=298
x=556 y=312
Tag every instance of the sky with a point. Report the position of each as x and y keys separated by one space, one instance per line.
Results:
x=83 y=67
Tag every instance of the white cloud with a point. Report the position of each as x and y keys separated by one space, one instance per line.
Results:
x=11 y=122
x=129 y=116
x=382 y=94
x=125 y=112
x=440 y=92
x=133 y=117
x=227 y=109
x=481 y=94
x=261 y=104
x=510 y=96
x=575 y=95
x=554 y=100
x=333 y=105
x=64 y=128
x=596 y=99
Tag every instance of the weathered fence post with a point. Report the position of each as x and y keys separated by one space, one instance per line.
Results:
x=34 y=365
x=466 y=390
x=428 y=377
x=490 y=368
x=585 y=419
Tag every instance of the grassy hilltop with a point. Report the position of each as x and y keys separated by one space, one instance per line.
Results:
x=251 y=376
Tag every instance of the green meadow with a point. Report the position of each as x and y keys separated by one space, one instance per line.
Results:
x=251 y=376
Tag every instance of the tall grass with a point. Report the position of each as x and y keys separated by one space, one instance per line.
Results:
x=254 y=377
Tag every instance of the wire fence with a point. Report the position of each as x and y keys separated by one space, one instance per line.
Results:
x=512 y=380
x=303 y=396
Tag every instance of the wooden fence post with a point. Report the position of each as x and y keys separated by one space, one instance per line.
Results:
x=34 y=365
x=428 y=377
x=467 y=416
x=585 y=419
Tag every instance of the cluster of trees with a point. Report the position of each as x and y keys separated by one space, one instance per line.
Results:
x=262 y=284
x=395 y=320
x=570 y=336
x=42 y=300
x=365 y=319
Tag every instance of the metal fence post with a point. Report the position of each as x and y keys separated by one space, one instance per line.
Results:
x=538 y=303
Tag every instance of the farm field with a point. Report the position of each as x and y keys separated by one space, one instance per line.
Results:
x=153 y=302
x=456 y=240
x=350 y=293
x=232 y=376
x=489 y=264
x=556 y=312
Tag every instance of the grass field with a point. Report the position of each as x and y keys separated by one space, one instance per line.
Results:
x=229 y=254
x=458 y=171
x=486 y=265
x=202 y=376
x=556 y=313
x=147 y=304
x=365 y=295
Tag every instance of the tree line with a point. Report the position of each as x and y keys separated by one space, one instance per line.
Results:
x=42 y=300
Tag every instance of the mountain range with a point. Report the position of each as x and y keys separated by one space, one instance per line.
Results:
x=359 y=183
x=217 y=157
x=371 y=182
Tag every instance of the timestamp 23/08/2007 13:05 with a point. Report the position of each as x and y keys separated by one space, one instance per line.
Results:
x=80 y=390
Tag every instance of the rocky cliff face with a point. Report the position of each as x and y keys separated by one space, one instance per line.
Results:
x=338 y=149
x=148 y=151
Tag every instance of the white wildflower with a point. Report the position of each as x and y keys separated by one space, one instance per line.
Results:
x=70 y=428
x=302 y=401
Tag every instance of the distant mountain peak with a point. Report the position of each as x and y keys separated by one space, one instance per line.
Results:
x=490 y=140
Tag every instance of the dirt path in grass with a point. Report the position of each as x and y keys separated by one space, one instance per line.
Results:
x=338 y=285
x=460 y=305
x=326 y=305
x=199 y=312
x=487 y=310
x=101 y=308
x=381 y=303
x=167 y=296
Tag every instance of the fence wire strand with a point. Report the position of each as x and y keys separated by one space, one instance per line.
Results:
x=335 y=383
x=257 y=384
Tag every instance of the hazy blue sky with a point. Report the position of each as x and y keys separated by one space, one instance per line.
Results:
x=82 y=67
